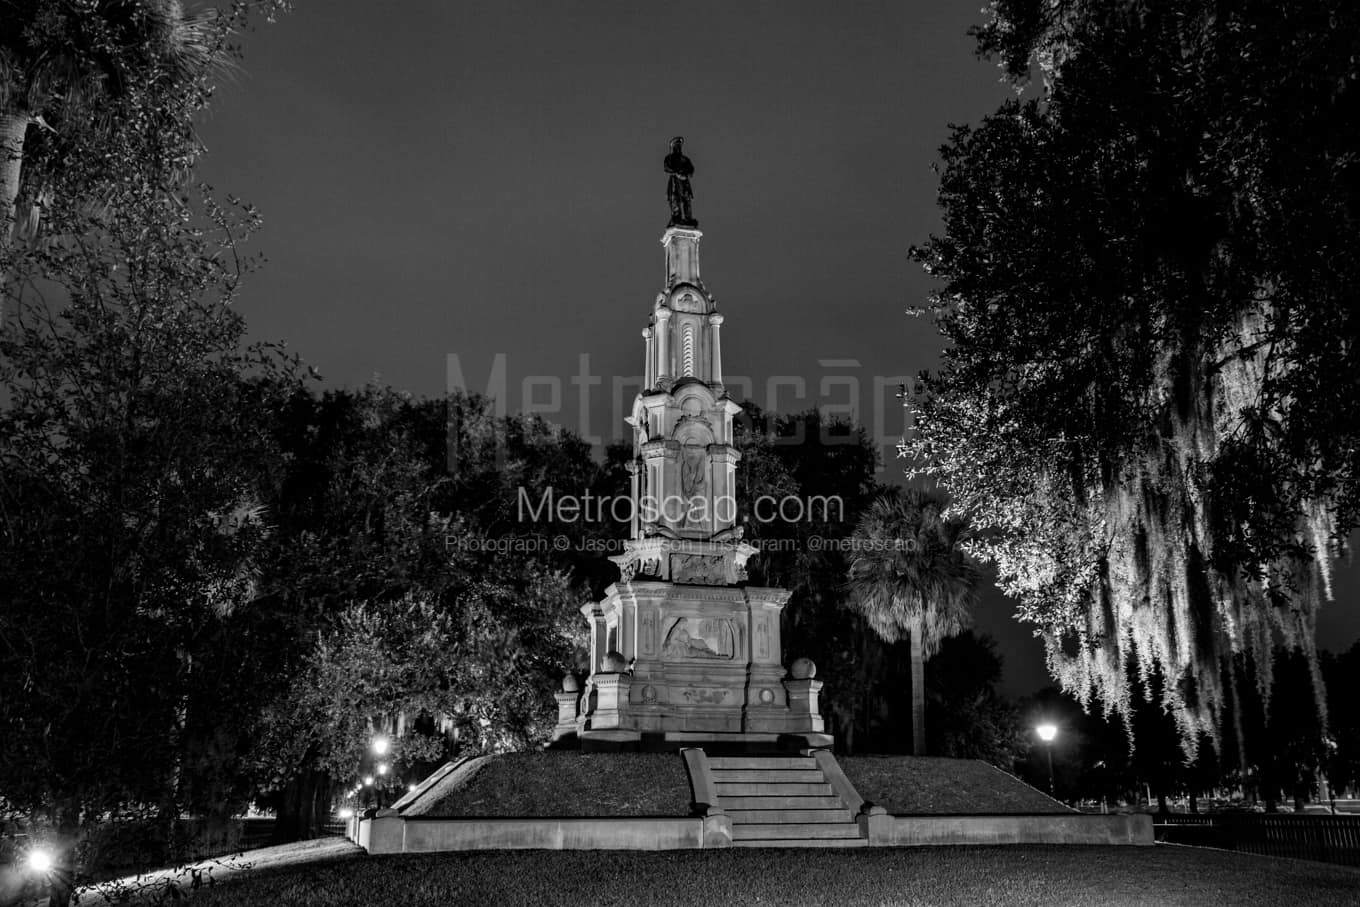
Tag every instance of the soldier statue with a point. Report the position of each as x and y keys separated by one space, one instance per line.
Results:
x=678 y=192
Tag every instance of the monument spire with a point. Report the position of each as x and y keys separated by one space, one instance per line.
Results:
x=681 y=647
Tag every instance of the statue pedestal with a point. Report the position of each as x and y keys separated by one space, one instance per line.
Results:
x=703 y=665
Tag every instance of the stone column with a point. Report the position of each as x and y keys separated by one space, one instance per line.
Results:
x=724 y=487
x=611 y=705
x=663 y=347
x=804 y=712
x=568 y=704
x=715 y=349
x=648 y=366
x=594 y=615
x=635 y=482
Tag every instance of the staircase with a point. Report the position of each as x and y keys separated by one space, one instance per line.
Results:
x=782 y=801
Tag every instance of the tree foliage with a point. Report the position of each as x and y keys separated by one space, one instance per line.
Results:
x=805 y=458
x=909 y=576
x=416 y=604
x=132 y=450
x=910 y=573
x=132 y=464
x=1147 y=406
x=966 y=717
x=74 y=75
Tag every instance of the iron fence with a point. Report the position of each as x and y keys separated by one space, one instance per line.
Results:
x=1328 y=839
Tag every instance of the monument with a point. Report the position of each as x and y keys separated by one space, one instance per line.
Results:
x=683 y=650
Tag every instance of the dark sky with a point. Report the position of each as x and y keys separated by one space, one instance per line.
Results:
x=484 y=180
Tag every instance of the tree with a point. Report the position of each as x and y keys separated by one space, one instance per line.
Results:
x=968 y=718
x=418 y=603
x=1146 y=290
x=132 y=462
x=1342 y=673
x=910 y=575
x=826 y=469
x=68 y=69
x=131 y=457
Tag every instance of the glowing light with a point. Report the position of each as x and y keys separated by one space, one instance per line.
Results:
x=40 y=861
x=1047 y=732
x=382 y=769
x=411 y=786
x=346 y=814
x=368 y=780
x=380 y=745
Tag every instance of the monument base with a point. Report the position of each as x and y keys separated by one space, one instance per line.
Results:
x=685 y=664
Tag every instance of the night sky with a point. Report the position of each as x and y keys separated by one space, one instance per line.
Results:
x=485 y=178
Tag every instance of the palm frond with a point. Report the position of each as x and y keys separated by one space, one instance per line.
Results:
x=910 y=573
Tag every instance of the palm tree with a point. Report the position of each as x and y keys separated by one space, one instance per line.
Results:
x=910 y=575
x=58 y=60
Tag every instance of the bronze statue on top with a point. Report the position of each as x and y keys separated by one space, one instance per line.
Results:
x=678 y=192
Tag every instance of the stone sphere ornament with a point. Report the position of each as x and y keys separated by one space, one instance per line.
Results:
x=614 y=663
x=570 y=684
x=803 y=669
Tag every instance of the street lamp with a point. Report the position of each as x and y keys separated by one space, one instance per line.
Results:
x=40 y=861
x=380 y=745
x=1047 y=732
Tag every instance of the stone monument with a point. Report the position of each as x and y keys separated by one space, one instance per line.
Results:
x=683 y=650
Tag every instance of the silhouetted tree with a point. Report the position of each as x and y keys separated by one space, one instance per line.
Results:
x=967 y=717
x=910 y=575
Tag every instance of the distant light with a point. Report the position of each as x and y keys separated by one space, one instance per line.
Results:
x=368 y=780
x=380 y=745
x=346 y=813
x=39 y=861
x=382 y=768
x=1047 y=732
x=411 y=786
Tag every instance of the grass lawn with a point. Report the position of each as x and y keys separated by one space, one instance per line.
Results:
x=1048 y=876
x=563 y=783
x=911 y=785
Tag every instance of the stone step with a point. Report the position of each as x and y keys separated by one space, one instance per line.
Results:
x=802 y=842
x=794 y=830
x=771 y=789
x=772 y=816
x=762 y=803
x=803 y=776
x=723 y=763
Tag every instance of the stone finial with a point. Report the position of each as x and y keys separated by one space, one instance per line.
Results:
x=803 y=669
x=614 y=663
x=570 y=684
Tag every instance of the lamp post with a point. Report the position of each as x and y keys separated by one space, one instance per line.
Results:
x=380 y=746
x=1047 y=732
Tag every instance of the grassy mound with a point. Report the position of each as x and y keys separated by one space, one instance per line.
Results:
x=1022 y=875
x=561 y=784
x=911 y=785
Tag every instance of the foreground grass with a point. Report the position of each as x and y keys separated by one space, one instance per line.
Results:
x=1049 y=876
